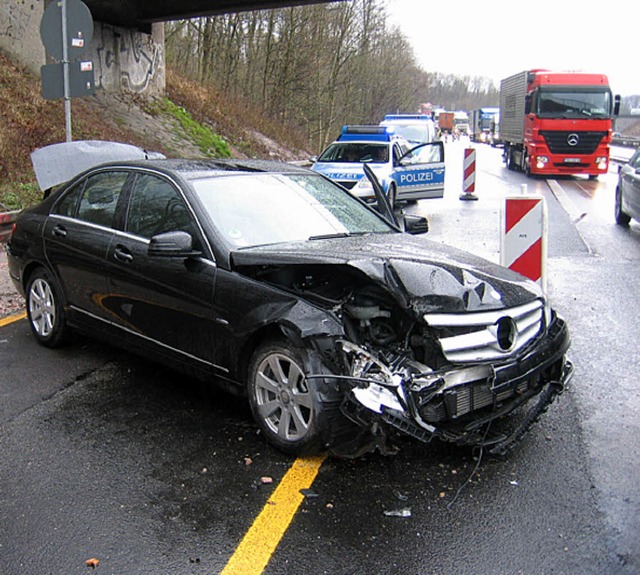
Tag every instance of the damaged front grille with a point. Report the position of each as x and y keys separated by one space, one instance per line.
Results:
x=465 y=399
x=487 y=336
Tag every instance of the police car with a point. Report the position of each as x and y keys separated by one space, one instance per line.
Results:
x=415 y=128
x=406 y=173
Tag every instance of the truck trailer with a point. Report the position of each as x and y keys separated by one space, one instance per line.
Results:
x=555 y=123
x=445 y=122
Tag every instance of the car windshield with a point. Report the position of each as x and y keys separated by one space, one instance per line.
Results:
x=356 y=152
x=573 y=103
x=413 y=132
x=256 y=209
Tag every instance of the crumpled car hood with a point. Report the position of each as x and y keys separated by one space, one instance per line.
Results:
x=419 y=273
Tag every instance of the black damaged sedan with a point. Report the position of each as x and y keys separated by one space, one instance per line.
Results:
x=343 y=331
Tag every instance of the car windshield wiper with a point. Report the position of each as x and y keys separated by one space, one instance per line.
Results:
x=337 y=235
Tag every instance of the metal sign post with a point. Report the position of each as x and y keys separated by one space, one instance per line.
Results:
x=65 y=71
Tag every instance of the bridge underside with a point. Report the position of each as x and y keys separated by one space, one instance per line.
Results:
x=141 y=14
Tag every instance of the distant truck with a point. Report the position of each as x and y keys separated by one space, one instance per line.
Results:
x=554 y=123
x=445 y=122
x=482 y=124
x=461 y=122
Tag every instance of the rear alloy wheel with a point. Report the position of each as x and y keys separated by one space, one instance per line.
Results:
x=45 y=311
x=622 y=219
x=284 y=403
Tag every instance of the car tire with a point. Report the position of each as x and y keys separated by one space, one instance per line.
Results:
x=283 y=401
x=45 y=310
x=526 y=164
x=511 y=162
x=622 y=219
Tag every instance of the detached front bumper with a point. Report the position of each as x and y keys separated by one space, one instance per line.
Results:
x=458 y=404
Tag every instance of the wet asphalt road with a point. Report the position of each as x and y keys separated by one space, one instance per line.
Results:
x=105 y=455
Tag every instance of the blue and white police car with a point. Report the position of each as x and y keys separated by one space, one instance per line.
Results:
x=406 y=173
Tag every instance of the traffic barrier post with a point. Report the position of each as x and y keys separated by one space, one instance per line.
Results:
x=469 y=175
x=523 y=245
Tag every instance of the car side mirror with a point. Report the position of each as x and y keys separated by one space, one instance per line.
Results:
x=172 y=244
x=415 y=225
x=616 y=105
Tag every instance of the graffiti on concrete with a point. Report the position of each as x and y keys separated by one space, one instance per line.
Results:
x=127 y=60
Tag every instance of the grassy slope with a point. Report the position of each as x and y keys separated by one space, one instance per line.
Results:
x=28 y=122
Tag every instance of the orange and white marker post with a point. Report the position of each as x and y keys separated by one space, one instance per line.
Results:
x=523 y=245
x=469 y=175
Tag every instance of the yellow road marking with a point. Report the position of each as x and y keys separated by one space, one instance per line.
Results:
x=259 y=543
x=12 y=318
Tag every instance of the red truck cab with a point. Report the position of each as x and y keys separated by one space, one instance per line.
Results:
x=556 y=123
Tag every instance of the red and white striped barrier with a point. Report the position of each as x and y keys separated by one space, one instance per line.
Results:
x=523 y=246
x=469 y=175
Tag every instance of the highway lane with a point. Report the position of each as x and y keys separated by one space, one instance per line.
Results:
x=593 y=270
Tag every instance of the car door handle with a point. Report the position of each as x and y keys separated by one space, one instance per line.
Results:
x=59 y=231
x=123 y=255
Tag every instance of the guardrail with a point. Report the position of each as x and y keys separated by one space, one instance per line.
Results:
x=626 y=141
x=6 y=223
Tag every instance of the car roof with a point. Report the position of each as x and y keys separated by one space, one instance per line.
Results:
x=192 y=169
x=59 y=163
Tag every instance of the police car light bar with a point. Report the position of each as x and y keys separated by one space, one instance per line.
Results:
x=379 y=133
x=364 y=130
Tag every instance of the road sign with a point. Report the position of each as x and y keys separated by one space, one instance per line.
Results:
x=66 y=29
x=524 y=236
x=79 y=29
x=469 y=175
x=81 y=80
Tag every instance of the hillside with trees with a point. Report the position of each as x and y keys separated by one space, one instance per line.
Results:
x=316 y=67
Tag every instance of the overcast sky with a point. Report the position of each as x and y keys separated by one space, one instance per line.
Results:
x=498 y=38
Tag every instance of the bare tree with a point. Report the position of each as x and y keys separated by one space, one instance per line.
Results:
x=317 y=67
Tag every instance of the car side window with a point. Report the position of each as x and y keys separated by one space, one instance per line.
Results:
x=156 y=207
x=67 y=205
x=100 y=197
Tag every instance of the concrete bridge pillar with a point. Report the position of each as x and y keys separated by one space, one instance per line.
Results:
x=124 y=60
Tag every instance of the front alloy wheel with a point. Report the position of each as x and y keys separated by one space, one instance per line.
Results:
x=282 y=399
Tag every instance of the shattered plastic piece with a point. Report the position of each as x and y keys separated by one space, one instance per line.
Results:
x=93 y=562
x=309 y=493
x=248 y=461
x=513 y=483
x=403 y=512
x=266 y=480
